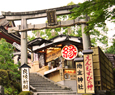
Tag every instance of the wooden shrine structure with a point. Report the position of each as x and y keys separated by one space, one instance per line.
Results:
x=49 y=51
x=52 y=23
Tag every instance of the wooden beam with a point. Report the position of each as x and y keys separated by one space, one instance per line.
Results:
x=45 y=26
x=11 y=16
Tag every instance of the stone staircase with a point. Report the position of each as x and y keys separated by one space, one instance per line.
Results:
x=41 y=85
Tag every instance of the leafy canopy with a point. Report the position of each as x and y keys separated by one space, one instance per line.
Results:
x=97 y=10
x=9 y=73
x=111 y=49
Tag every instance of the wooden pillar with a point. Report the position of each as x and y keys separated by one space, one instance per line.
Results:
x=85 y=37
x=23 y=42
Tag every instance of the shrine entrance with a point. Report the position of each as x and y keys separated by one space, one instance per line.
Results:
x=52 y=23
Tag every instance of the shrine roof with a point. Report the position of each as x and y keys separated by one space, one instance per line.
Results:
x=4 y=24
x=66 y=37
x=38 y=41
x=61 y=39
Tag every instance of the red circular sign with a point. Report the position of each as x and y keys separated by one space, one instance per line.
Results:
x=69 y=52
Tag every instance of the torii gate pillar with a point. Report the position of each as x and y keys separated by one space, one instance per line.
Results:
x=23 y=42
x=85 y=37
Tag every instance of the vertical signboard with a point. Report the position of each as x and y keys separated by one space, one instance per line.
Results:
x=25 y=79
x=51 y=16
x=80 y=77
x=89 y=77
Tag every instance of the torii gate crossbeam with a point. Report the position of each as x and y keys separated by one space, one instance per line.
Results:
x=37 y=14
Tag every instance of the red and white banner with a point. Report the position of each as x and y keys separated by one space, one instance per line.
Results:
x=89 y=75
x=69 y=52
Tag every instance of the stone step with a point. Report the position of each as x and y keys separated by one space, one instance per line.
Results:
x=52 y=90
x=37 y=78
x=33 y=81
x=41 y=79
x=48 y=88
x=36 y=85
x=39 y=82
x=55 y=93
x=44 y=85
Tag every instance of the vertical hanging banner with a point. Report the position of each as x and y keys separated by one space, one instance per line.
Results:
x=89 y=75
x=25 y=77
x=80 y=77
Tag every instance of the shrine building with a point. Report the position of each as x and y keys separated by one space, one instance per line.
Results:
x=53 y=63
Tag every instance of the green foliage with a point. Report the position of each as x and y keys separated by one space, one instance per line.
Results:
x=11 y=90
x=4 y=79
x=9 y=73
x=30 y=38
x=97 y=10
x=25 y=93
x=71 y=3
x=111 y=49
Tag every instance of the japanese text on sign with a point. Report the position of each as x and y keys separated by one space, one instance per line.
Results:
x=25 y=79
x=51 y=16
x=69 y=52
x=80 y=77
x=89 y=73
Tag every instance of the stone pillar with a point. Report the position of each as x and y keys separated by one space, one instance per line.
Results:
x=85 y=37
x=23 y=42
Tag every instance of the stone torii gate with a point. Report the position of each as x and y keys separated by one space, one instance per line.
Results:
x=24 y=27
